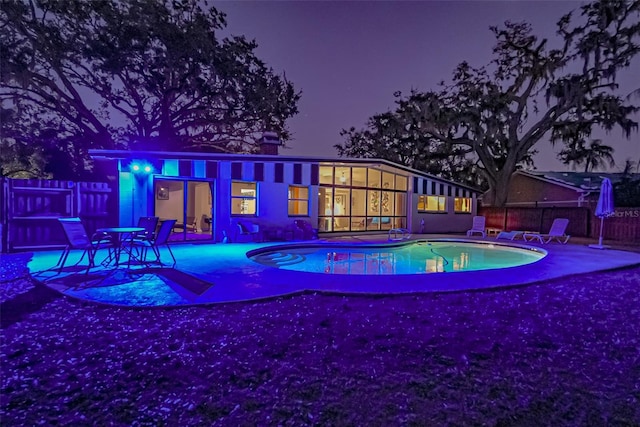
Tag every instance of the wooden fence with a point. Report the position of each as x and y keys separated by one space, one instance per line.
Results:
x=624 y=226
x=29 y=210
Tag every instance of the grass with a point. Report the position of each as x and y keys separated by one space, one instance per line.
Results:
x=563 y=352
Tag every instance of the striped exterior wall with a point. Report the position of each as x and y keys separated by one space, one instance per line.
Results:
x=296 y=173
x=449 y=222
x=430 y=187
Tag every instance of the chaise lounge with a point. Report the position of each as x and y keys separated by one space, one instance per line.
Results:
x=477 y=226
x=511 y=235
x=557 y=232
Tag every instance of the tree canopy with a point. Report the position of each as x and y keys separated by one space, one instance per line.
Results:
x=496 y=114
x=137 y=74
x=591 y=154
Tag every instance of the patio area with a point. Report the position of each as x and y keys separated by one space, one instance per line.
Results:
x=219 y=273
x=559 y=353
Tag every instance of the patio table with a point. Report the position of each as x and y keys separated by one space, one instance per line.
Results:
x=123 y=236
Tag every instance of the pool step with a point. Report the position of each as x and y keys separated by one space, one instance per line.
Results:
x=279 y=259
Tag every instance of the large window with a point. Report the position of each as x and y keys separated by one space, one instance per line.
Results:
x=361 y=198
x=243 y=198
x=432 y=204
x=298 y=201
x=462 y=204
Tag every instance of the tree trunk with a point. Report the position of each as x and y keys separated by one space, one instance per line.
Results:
x=500 y=187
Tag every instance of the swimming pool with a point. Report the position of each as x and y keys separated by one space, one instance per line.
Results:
x=417 y=257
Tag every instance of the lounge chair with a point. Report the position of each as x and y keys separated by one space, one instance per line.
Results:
x=511 y=235
x=477 y=226
x=161 y=239
x=557 y=232
x=397 y=234
x=77 y=238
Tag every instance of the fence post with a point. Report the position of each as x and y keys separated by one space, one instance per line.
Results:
x=505 y=215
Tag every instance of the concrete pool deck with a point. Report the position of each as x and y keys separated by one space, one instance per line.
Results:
x=218 y=273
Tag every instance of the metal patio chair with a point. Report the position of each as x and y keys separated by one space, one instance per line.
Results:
x=150 y=224
x=161 y=239
x=77 y=238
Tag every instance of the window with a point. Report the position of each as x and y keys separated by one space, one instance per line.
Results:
x=432 y=203
x=401 y=183
x=462 y=204
x=298 y=201
x=326 y=175
x=243 y=198
x=388 y=181
x=359 y=198
x=373 y=180
x=342 y=176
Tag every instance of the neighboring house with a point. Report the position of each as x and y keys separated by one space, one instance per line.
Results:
x=207 y=192
x=559 y=189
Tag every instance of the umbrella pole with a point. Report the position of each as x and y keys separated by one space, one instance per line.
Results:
x=601 y=225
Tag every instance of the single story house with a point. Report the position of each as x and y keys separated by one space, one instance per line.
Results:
x=554 y=189
x=207 y=193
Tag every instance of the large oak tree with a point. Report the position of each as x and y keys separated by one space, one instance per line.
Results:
x=497 y=114
x=148 y=74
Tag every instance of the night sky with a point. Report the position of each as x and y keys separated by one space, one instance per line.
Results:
x=348 y=58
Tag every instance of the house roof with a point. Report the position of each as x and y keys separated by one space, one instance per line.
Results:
x=126 y=154
x=579 y=181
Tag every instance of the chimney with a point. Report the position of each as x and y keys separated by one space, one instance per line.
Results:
x=269 y=143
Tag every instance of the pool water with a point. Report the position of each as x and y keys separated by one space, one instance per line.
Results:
x=419 y=257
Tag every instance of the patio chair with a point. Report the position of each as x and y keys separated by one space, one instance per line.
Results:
x=557 y=232
x=248 y=229
x=77 y=238
x=160 y=239
x=477 y=226
x=150 y=224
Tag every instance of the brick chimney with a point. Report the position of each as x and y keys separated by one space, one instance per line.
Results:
x=269 y=143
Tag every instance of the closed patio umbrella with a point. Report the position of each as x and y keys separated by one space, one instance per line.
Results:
x=605 y=208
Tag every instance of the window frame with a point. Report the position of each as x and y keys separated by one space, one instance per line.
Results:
x=426 y=203
x=455 y=207
x=294 y=199
x=243 y=198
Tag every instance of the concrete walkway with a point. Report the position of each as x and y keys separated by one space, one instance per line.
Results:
x=215 y=273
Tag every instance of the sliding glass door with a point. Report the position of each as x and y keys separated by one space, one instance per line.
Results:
x=189 y=202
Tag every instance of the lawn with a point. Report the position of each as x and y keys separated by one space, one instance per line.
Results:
x=563 y=352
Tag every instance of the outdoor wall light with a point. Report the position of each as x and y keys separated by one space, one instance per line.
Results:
x=141 y=167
